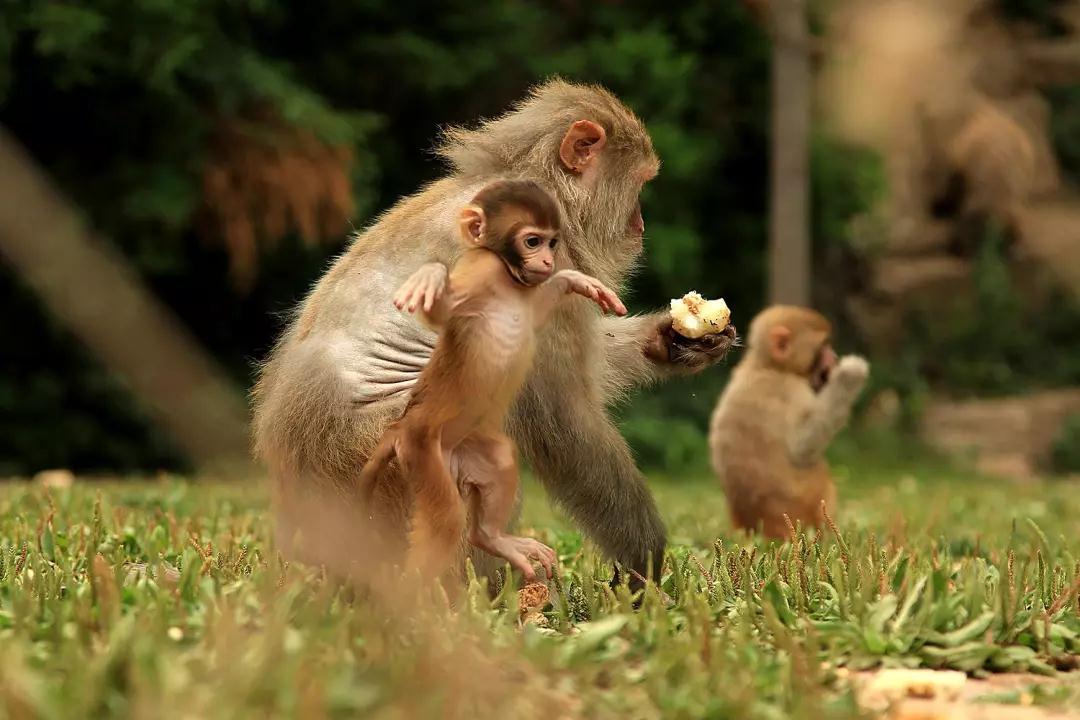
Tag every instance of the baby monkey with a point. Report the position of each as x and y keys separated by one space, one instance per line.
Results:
x=449 y=441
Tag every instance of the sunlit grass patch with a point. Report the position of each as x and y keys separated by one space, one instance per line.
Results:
x=167 y=599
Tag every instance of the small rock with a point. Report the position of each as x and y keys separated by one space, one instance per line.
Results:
x=897 y=684
x=533 y=598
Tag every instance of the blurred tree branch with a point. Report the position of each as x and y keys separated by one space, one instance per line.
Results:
x=102 y=301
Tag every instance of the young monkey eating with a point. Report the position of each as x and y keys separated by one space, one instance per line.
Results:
x=486 y=311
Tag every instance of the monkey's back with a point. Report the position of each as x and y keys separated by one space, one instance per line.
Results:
x=748 y=443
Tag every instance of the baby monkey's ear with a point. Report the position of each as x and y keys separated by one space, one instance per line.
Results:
x=780 y=344
x=471 y=224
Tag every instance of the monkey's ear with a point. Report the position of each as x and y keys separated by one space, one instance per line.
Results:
x=581 y=145
x=471 y=224
x=780 y=344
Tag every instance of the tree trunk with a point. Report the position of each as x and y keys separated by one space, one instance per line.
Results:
x=789 y=227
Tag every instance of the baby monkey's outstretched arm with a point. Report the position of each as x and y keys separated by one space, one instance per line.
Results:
x=566 y=282
x=426 y=290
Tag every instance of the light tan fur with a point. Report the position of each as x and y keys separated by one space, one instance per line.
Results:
x=984 y=172
x=346 y=364
x=770 y=429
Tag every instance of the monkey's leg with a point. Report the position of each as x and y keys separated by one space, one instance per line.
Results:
x=377 y=464
x=438 y=523
x=490 y=472
x=585 y=464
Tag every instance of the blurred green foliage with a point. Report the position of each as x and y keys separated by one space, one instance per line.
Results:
x=117 y=100
x=1065 y=128
x=1041 y=13
x=1065 y=455
x=999 y=341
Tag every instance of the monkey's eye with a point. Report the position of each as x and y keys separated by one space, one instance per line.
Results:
x=553 y=243
x=533 y=242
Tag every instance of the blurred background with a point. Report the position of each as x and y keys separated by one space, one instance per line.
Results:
x=174 y=176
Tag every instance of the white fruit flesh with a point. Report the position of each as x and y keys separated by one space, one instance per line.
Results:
x=693 y=316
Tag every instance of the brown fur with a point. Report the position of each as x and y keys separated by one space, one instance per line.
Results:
x=770 y=428
x=986 y=170
x=345 y=366
x=450 y=435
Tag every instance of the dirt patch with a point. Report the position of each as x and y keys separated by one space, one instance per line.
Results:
x=1005 y=696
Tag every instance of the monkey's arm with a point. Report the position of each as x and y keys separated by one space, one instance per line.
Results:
x=426 y=290
x=829 y=412
x=585 y=465
x=644 y=348
x=567 y=282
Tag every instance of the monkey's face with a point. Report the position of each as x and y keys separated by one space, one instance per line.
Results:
x=824 y=362
x=794 y=340
x=530 y=254
x=601 y=182
x=519 y=221
x=614 y=205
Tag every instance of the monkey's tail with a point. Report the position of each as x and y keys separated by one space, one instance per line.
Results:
x=439 y=517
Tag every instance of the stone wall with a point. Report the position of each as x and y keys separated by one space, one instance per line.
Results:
x=1012 y=437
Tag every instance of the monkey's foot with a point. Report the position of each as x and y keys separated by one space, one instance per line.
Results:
x=521 y=553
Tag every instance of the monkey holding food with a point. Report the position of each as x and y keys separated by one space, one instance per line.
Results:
x=450 y=435
x=787 y=399
x=347 y=363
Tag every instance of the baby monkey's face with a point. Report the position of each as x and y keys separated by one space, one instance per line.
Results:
x=531 y=254
x=519 y=221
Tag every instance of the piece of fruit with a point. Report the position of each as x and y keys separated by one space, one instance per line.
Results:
x=692 y=316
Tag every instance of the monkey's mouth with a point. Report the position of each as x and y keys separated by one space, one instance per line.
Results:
x=637 y=221
x=819 y=376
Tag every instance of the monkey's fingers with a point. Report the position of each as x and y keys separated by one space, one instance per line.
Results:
x=432 y=290
x=528 y=572
x=541 y=553
x=612 y=301
x=548 y=559
x=416 y=297
x=406 y=296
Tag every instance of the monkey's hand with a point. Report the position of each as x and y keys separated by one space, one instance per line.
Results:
x=668 y=347
x=521 y=553
x=587 y=286
x=812 y=432
x=851 y=373
x=423 y=289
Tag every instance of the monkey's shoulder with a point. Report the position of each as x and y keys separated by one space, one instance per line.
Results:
x=762 y=394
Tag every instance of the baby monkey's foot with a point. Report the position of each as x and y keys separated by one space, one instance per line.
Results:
x=521 y=553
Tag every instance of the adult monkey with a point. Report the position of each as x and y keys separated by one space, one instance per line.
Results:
x=344 y=367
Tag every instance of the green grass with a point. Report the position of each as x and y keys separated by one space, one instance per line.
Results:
x=166 y=599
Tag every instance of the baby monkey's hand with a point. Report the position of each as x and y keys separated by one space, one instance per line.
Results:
x=422 y=289
x=590 y=287
x=852 y=372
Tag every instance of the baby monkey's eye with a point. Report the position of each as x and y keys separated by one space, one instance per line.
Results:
x=553 y=243
x=533 y=241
